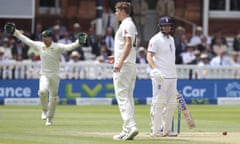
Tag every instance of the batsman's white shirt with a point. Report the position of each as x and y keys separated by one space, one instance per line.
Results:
x=164 y=57
x=49 y=56
x=126 y=29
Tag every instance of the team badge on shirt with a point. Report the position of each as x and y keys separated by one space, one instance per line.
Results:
x=125 y=31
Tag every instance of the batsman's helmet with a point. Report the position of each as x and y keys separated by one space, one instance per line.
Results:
x=47 y=33
x=166 y=20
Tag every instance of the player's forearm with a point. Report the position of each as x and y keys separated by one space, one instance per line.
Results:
x=24 y=39
x=150 y=61
x=72 y=46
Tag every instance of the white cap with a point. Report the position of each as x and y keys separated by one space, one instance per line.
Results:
x=1 y=50
x=199 y=28
x=203 y=56
x=75 y=54
x=76 y=25
x=141 y=49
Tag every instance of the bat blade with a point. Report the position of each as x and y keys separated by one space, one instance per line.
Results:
x=186 y=112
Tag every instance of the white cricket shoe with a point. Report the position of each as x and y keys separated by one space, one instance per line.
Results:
x=49 y=122
x=119 y=136
x=44 y=115
x=131 y=134
x=171 y=134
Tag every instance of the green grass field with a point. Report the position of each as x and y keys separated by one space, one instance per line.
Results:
x=97 y=125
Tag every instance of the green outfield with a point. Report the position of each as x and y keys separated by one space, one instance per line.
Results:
x=97 y=125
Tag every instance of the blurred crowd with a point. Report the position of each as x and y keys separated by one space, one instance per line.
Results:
x=198 y=49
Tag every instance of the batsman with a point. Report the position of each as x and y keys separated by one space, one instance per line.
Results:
x=50 y=64
x=161 y=59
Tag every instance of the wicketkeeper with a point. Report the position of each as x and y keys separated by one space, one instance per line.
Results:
x=49 y=72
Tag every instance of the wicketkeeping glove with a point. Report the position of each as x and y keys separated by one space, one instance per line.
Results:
x=157 y=74
x=10 y=28
x=82 y=38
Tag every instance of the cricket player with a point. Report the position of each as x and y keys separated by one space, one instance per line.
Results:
x=161 y=58
x=49 y=73
x=124 y=70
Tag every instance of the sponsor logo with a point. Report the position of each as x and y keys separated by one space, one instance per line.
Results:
x=189 y=91
x=233 y=89
x=11 y=92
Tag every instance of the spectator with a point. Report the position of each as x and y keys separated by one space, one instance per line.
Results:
x=37 y=33
x=236 y=43
x=65 y=40
x=201 y=72
x=2 y=57
x=220 y=59
x=109 y=39
x=140 y=9
x=57 y=34
x=92 y=41
x=196 y=39
x=75 y=31
x=73 y=69
x=180 y=43
x=235 y=62
x=204 y=42
x=109 y=20
x=218 y=44
x=141 y=56
x=209 y=51
x=104 y=53
x=19 y=49
x=218 y=35
x=7 y=48
x=188 y=56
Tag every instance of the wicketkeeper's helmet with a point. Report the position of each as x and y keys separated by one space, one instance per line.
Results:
x=47 y=33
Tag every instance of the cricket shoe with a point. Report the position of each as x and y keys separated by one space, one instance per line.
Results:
x=163 y=134
x=119 y=136
x=44 y=115
x=49 y=122
x=131 y=134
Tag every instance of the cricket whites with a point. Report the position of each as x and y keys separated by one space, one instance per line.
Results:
x=186 y=112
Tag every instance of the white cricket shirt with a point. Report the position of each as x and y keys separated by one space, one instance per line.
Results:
x=126 y=29
x=163 y=48
x=50 y=57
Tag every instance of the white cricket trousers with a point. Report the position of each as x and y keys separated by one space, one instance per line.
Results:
x=124 y=83
x=164 y=97
x=48 y=92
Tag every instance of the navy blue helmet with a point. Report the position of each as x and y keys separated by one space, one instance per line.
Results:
x=166 y=20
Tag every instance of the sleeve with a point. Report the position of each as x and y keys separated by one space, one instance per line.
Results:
x=152 y=45
x=26 y=40
x=68 y=47
x=126 y=30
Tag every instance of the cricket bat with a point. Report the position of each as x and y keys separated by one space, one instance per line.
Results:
x=186 y=112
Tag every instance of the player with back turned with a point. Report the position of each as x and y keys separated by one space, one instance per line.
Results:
x=50 y=62
x=161 y=59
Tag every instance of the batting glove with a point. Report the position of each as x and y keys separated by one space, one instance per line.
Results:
x=82 y=38
x=10 y=28
x=157 y=74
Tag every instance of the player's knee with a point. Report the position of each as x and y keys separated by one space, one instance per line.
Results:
x=42 y=92
x=54 y=99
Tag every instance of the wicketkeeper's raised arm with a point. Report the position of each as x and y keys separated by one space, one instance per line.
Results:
x=82 y=39
x=10 y=28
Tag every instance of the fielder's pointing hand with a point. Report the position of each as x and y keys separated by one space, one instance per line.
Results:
x=10 y=28
x=82 y=38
